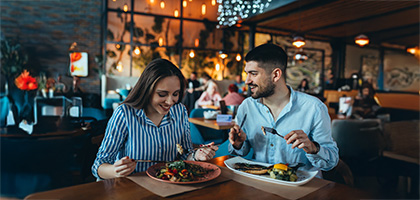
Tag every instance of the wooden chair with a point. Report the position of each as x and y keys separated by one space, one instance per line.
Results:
x=340 y=174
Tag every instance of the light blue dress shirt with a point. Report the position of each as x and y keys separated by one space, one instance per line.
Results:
x=303 y=112
x=131 y=133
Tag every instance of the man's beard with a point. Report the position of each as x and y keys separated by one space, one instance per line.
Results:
x=266 y=91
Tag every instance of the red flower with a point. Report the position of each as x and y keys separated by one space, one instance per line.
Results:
x=26 y=82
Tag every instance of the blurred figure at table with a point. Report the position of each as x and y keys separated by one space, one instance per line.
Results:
x=210 y=97
x=148 y=125
x=60 y=86
x=233 y=97
x=240 y=84
x=191 y=96
x=303 y=86
x=76 y=89
x=364 y=105
x=300 y=118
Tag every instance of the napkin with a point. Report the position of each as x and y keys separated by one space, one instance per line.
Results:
x=168 y=189
x=26 y=127
x=288 y=192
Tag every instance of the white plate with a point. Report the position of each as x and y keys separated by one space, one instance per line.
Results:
x=303 y=176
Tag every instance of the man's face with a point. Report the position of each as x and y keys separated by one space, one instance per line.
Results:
x=260 y=83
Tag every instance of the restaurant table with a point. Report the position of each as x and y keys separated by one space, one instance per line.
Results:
x=124 y=188
x=211 y=123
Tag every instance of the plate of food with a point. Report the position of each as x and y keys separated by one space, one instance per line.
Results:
x=279 y=173
x=183 y=172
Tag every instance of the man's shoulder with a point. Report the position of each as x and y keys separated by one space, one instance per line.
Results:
x=303 y=98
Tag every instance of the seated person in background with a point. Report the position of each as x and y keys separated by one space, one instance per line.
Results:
x=303 y=86
x=210 y=97
x=302 y=119
x=76 y=90
x=191 y=96
x=233 y=97
x=240 y=84
x=365 y=105
x=148 y=125
x=206 y=82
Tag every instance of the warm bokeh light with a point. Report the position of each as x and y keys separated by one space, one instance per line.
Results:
x=238 y=57
x=119 y=67
x=223 y=55
x=192 y=54
x=298 y=41
x=176 y=13
x=196 y=42
x=162 y=4
x=203 y=9
x=125 y=8
x=160 y=41
x=184 y=3
x=413 y=50
x=152 y=1
x=213 y=2
x=217 y=67
x=137 y=51
x=118 y=46
x=361 y=40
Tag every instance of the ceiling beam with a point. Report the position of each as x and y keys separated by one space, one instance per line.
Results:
x=361 y=19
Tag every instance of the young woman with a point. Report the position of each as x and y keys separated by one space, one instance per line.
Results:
x=148 y=125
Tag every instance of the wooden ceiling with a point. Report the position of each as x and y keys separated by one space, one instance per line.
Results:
x=386 y=23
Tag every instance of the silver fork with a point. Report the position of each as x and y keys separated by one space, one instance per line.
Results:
x=270 y=130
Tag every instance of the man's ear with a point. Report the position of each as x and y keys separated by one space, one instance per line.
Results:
x=276 y=74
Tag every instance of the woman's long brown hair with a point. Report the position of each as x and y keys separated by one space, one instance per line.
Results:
x=139 y=97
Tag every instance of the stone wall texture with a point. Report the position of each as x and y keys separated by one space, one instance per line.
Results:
x=47 y=28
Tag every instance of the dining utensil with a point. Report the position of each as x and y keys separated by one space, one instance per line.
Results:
x=157 y=161
x=243 y=121
x=270 y=130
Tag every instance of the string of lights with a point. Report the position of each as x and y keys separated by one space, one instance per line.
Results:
x=232 y=11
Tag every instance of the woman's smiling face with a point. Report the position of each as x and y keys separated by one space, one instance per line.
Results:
x=164 y=96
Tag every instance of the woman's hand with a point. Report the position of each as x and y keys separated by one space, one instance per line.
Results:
x=205 y=152
x=124 y=167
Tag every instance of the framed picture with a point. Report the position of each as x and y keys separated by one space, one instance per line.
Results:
x=78 y=64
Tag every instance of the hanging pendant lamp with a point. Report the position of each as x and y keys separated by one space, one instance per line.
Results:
x=361 y=40
x=298 y=41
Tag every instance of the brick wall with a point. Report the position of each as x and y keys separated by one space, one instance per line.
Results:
x=47 y=28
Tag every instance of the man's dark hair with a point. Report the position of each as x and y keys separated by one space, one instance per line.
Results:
x=268 y=56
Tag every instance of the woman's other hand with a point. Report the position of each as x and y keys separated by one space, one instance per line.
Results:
x=124 y=167
x=206 y=152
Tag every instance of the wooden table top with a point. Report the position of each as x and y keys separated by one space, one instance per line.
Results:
x=123 y=188
x=211 y=123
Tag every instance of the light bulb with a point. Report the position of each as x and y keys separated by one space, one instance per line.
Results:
x=137 y=51
x=192 y=54
x=203 y=9
x=125 y=8
x=176 y=13
x=160 y=41
x=162 y=4
x=238 y=57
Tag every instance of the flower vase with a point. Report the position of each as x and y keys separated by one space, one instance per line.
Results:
x=26 y=111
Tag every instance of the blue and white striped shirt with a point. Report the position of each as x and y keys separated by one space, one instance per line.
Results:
x=131 y=133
